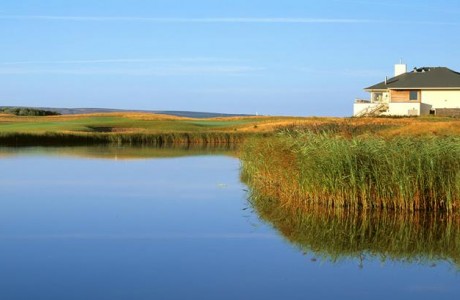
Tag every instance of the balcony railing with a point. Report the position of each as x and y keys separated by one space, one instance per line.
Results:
x=362 y=101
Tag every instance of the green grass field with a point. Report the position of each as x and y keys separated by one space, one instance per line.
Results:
x=117 y=123
x=126 y=128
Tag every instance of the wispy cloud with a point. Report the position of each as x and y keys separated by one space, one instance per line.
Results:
x=181 y=20
x=123 y=61
x=131 y=66
x=228 y=20
x=256 y=91
x=160 y=71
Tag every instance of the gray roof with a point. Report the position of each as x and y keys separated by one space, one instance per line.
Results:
x=426 y=77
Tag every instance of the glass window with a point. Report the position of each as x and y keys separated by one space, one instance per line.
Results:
x=413 y=95
x=377 y=97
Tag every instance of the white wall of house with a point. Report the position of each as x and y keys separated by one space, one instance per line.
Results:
x=406 y=109
x=441 y=99
x=431 y=100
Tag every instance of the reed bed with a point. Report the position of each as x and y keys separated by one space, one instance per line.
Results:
x=346 y=128
x=131 y=139
x=341 y=234
x=305 y=168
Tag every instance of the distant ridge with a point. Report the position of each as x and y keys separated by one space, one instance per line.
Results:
x=188 y=114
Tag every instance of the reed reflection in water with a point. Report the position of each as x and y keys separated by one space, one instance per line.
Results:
x=122 y=152
x=338 y=234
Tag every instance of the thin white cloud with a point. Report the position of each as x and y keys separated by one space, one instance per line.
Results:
x=123 y=61
x=234 y=20
x=159 y=71
x=181 y=20
x=256 y=91
x=131 y=66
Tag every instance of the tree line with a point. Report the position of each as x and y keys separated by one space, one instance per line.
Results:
x=25 y=111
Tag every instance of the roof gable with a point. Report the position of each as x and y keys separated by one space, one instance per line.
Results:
x=427 y=77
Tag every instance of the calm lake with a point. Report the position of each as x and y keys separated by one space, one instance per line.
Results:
x=107 y=223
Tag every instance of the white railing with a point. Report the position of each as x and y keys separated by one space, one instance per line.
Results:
x=373 y=110
x=362 y=101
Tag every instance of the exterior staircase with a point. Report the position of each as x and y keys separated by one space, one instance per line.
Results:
x=374 y=111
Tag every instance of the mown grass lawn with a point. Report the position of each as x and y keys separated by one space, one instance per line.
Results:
x=127 y=123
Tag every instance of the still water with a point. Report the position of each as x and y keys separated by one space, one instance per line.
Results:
x=99 y=223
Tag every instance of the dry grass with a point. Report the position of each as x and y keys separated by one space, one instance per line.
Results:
x=151 y=117
x=447 y=128
x=63 y=118
x=395 y=126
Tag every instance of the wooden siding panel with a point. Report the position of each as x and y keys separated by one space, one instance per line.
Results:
x=403 y=96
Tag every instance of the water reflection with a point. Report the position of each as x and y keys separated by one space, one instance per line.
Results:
x=73 y=228
x=110 y=152
x=336 y=235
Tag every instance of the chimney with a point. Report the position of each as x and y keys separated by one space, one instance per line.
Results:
x=400 y=69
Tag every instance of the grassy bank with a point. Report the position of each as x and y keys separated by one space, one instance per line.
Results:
x=335 y=235
x=305 y=168
x=119 y=129
x=129 y=139
x=151 y=129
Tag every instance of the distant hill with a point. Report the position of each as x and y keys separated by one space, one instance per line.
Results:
x=73 y=111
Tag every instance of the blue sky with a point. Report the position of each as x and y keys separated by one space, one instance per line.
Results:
x=287 y=57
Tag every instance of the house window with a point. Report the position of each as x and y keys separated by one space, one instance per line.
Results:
x=413 y=95
x=377 y=97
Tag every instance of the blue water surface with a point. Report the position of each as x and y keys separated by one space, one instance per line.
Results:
x=175 y=228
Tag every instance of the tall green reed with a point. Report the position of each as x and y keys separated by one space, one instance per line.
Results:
x=304 y=168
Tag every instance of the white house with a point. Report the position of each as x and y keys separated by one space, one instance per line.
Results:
x=423 y=91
